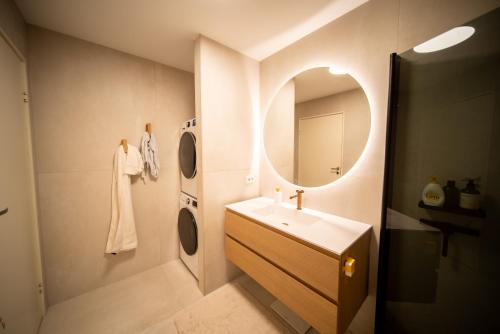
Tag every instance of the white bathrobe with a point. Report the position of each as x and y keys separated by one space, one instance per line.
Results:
x=122 y=235
x=150 y=155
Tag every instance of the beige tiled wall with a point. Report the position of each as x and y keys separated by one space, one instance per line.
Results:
x=227 y=100
x=84 y=99
x=361 y=41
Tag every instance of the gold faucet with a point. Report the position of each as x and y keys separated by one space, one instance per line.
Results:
x=299 y=198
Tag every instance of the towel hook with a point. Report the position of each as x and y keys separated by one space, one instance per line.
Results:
x=124 y=143
x=149 y=128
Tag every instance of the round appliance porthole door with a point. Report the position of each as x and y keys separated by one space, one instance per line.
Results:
x=187 y=155
x=188 y=232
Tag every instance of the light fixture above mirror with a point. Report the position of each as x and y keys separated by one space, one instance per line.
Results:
x=335 y=70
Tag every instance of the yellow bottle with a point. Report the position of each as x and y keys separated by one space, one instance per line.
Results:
x=277 y=195
x=433 y=194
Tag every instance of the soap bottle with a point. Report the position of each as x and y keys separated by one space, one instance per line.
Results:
x=278 y=196
x=469 y=196
x=433 y=194
x=451 y=195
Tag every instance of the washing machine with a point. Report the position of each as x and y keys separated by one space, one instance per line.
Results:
x=188 y=232
x=187 y=158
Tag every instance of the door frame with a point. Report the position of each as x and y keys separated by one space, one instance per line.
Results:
x=341 y=144
x=42 y=302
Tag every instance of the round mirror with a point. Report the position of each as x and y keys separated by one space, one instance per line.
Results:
x=317 y=127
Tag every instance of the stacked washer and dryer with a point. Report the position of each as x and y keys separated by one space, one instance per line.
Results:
x=186 y=222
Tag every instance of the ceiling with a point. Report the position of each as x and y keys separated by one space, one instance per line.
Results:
x=318 y=82
x=165 y=30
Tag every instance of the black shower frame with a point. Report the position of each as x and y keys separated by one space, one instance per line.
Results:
x=387 y=192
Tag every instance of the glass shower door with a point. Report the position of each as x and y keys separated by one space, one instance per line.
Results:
x=440 y=266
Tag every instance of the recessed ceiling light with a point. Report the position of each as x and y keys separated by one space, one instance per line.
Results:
x=445 y=40
x=336 y=70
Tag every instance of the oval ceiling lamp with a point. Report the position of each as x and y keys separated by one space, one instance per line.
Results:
x=336 y=70
x=445 y=40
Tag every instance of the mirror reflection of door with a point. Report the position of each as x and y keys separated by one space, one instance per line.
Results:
x=320 y=143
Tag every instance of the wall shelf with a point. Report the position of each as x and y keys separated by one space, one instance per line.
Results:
x=448 y=229
x=458 y=211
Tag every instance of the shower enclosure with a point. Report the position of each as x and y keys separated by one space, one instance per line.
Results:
x=440 y=266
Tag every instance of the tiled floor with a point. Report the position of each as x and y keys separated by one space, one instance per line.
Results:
x=128 y=306
x=166 y=300
x=230 y=309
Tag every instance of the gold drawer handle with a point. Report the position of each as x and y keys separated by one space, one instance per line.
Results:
x=349 y=267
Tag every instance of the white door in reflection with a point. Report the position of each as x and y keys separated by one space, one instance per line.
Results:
x=320 y=149
x=21 y=304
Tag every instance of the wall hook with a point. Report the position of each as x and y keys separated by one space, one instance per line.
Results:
x=124 y=143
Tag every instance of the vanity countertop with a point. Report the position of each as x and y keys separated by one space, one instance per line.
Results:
x=330 y=232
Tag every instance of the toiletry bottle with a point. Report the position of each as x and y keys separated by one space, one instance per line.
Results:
x=451 y=195
x=469 y=196
x=433 y=194
x=277 y=195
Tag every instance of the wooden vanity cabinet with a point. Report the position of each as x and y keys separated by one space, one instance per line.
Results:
x=308 y=279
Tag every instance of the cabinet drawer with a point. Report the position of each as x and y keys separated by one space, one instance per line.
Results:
x=314 y=268
x=313 y=308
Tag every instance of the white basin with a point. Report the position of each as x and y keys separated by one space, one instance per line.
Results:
x=330 y=232
x=286 y=216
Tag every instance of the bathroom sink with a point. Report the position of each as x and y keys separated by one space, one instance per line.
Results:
x=285 y=215
x=332 y=233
